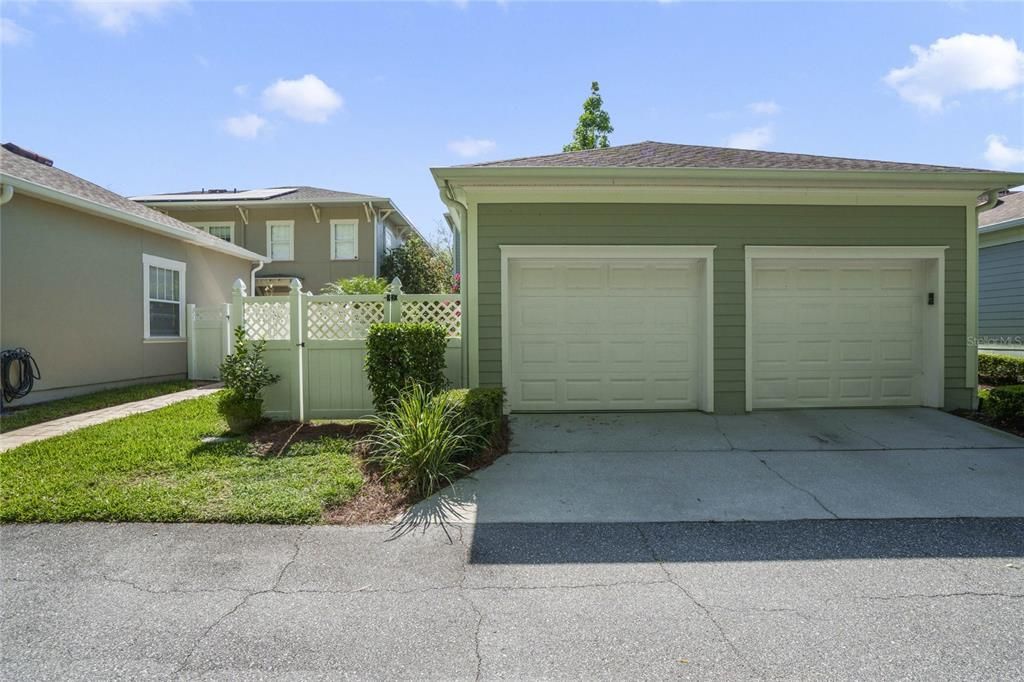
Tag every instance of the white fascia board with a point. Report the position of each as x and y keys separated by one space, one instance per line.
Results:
x=504 y=176
x=227 y=203
x=87 y=206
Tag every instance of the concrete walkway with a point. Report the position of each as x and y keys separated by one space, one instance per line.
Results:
x=766 y=466
x=836 y=600
x=58 y=427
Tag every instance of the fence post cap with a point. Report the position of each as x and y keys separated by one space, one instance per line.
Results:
x=295 y=284
x=239 y=286
x=396 y=286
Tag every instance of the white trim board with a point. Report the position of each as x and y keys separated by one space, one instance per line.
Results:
x=703 y=254
x=933 y=393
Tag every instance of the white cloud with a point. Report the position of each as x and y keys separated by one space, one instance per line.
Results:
x=246 y=125
x=753 y=138
x=1001 y=155
x=305 y=99
x=469 y=147
x=241 y=90
x=955 y=65
x=765 y=107
x=117 y=16
x=13 y=34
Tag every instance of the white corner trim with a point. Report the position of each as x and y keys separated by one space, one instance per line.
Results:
x=933 y=394
x=270 y=250
x=705 y=254
x=346 y=222
x=167 y=264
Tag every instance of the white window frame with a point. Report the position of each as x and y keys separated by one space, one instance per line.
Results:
x=205 y=227
x=291 y=245
x=167 y=264
x=347 y=222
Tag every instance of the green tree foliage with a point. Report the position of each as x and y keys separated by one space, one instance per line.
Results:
x=421 y=269
x=595 y=124
x=357 y=286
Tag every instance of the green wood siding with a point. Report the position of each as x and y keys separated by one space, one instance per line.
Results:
x=730 y=228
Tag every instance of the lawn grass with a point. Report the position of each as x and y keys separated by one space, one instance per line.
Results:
x=20 y=417
x=154 y=467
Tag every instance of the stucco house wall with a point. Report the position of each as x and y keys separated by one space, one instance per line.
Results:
x=312 y=262
x=71 y=292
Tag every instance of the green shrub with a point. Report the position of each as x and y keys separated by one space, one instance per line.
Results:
x=421 y=269
x=244 y=371
x=1004 y=402
x=999 y=370
x=245 y=374
x=357 y=286
x=482 y=406
x=420 y=441
x=401 y=354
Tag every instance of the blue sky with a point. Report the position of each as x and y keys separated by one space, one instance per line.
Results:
x=167 y=96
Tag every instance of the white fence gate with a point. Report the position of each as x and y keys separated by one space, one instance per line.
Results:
x=317 y=345
x=208 y=329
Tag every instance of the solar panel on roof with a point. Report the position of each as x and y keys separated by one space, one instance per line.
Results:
x=245 y=195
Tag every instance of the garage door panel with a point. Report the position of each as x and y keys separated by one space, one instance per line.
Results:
x=608 y=334
x=837 y=334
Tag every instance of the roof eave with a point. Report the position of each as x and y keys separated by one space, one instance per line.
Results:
x=1002 y=225
x=227 y=203
x=95 y=208
x=493 y=176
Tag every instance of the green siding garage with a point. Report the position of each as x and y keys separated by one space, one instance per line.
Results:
x=730 y=229
x=654 y=276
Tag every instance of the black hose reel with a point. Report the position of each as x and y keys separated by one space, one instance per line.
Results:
x=18 y=373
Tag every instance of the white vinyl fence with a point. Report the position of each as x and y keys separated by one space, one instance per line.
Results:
x=208 y=330
x=317 y=344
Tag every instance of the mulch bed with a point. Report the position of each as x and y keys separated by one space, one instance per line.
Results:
x=377 y=501
x=1016 y=427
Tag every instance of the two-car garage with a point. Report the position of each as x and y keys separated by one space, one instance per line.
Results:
x=594 y=328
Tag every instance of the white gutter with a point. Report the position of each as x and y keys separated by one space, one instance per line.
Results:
x=88 y=206
x=992 y=198
x=6 y=193
x=252 y=275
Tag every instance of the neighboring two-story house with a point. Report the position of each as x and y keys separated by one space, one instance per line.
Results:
x=313 y=234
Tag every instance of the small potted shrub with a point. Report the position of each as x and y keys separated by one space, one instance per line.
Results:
x=245 y=374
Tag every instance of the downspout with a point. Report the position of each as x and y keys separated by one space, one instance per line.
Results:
x=6 y=193
x=252 y=276
x=461 y=212
x=991 y=199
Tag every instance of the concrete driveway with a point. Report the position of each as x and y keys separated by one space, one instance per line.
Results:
x=766 y=466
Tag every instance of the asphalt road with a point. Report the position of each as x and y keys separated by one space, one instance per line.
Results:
x=917 y=599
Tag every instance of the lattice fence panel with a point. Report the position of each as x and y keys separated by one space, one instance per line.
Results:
x=267 y=320
x=342 y=320
x=446 y=312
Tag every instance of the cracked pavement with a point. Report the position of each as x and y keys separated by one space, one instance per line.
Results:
x=816 y=598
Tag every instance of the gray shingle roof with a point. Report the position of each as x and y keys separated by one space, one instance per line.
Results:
x=664 y=155
x=1010 y=207
x=17 y=166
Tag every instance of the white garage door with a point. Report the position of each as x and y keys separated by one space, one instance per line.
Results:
x=604 y=334
x=837 y=332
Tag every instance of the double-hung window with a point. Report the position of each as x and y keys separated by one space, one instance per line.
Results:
x=222 y=229
x=281 y=239
x=344 y=239
x=163 y=287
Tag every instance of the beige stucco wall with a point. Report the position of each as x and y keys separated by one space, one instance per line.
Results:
x=71 y=293
x=312 y=262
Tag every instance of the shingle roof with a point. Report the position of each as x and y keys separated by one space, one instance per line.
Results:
x=664 y=155
x=1010 y=207
x=17 y=166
